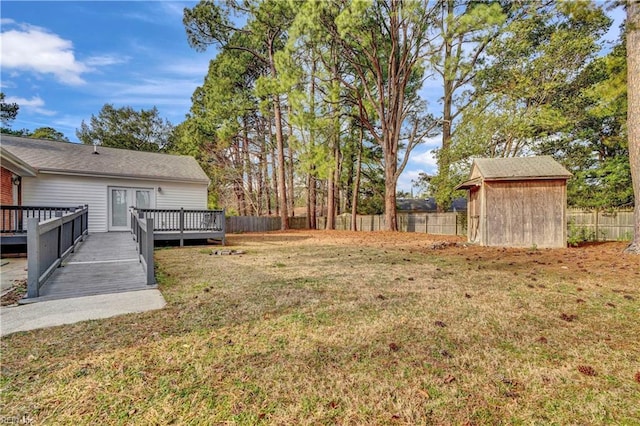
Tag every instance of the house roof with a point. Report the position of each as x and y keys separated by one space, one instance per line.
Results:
x=427 y=204
x=46 y=156
x=516 y=168
x=14 y=164
x=416 y=204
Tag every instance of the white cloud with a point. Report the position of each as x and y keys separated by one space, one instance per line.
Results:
x=404 y=181
x=174 y=9
x=422 y=160
x=165 y=90
x=104 y=60
x=35 y=104
x=167 y=11
x=425 y=159
x=198 y=67
x=7 y=84
x=34 y=49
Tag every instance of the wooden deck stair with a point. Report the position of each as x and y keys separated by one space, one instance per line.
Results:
x=103 y=263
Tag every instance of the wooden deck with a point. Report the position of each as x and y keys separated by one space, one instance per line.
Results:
x=103 y=263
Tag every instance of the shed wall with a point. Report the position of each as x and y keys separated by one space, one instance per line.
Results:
x=526 y=213
x=64 y=190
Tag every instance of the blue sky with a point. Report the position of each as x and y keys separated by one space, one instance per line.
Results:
x=62 y=61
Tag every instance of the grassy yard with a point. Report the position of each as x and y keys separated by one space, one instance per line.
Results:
x=346 y=328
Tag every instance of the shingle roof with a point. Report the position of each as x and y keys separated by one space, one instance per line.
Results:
x=521 y=167
x=516 y=168
x=427 y=204
x=73 y=158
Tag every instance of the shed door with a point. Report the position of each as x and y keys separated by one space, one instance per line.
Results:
x=474 y=215
x=120 y=199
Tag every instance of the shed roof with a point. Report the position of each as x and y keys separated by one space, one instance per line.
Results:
x=73 y=158
x=516 y=168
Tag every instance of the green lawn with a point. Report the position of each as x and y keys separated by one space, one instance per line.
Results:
x=343 y=328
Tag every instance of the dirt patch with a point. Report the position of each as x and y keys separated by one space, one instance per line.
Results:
x=18 y=291
x=595 y=260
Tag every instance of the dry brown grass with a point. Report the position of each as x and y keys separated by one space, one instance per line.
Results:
x=346 y=328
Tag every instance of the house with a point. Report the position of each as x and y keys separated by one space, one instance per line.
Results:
x=49 y=173
x=427 y=205
x=517 y=202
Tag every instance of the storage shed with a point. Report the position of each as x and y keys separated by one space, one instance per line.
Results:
x=517 y=202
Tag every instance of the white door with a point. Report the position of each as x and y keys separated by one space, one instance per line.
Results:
x=120 y=199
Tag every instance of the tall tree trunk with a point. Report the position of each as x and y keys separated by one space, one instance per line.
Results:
x=277 y=115
x=313 y=201
x=250 y=202
x=350 y=165
x=260 y=176
x=311 y=177
x=274 y=180
x=290 y=168
x=322 y=198
x=238 y=175
x=334 y=175
x=265 y=179
x=308 y=201
x=331 y=203
x=444 y=160
x=337 y=171
x=390 y=183
x=281 y=179
x=356 y=185
x=633 y=112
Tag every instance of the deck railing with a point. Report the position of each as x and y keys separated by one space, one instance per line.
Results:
x=14 y=218
x=184 y=221
x=49 y=242
x=142 y=230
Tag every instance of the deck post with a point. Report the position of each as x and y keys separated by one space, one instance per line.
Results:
x=181 y=226
x=149 y=254
x=33 y=259
x=60 y=249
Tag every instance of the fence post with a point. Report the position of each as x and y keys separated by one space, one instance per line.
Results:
x=456 y=234
x=149 y=254
x=223 y=224
x=33 y=259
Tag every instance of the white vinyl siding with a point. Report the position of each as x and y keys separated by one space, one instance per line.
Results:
x=175 y=195
x=63 y=190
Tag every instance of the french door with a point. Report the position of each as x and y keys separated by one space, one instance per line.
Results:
x=120 y=199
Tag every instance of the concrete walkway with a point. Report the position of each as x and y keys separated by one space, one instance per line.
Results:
x=68 y=311
x=102 y=279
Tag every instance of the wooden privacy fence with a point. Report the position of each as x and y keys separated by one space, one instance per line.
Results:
x=431 y=223
x=601 y=225
x=450 y=223
x=238 y=224
x=142 y=230
x=49 y=242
